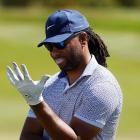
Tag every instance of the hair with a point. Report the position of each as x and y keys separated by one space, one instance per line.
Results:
x=97 y=47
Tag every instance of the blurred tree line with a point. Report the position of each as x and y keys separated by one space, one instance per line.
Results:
x=62 y=3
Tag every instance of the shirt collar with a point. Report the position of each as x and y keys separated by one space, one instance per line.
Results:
x=91 y=66
x=61 y=74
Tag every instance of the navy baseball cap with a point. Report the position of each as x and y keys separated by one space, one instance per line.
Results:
x=62 y=24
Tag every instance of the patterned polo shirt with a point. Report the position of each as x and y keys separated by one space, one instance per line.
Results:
x=95 y=97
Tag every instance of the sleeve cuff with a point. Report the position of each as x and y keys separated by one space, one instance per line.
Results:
x=95 y=123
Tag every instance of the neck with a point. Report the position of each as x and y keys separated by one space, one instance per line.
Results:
x=73 y=75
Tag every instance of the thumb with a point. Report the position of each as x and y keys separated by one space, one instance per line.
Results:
x=43 y=80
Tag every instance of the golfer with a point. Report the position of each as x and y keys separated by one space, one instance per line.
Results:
x=81 y=102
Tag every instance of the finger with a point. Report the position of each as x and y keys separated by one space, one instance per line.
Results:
x=12 y=76
x=43 y=80
x=17 y=71
x=25 y=72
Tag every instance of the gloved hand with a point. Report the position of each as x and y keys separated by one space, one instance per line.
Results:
x=31 y=90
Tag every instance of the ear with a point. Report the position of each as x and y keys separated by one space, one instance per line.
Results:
x=83 y=38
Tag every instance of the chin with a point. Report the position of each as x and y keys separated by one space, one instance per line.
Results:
x=66 y=69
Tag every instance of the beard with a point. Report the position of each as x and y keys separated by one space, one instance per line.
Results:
x=71 y=65
x=72 y=61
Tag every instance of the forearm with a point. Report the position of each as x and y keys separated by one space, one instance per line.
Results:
x=55 y=127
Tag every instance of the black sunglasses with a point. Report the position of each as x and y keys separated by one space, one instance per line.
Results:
x=60 y=45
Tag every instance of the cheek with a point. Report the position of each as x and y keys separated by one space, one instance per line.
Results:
x=77 y=47
x=74 y=43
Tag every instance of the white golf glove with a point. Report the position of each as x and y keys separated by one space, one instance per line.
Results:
x=31 y=90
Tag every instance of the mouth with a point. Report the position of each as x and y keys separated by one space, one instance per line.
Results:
x=59 y=60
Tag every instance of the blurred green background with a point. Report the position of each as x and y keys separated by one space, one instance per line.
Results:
x=22 y=28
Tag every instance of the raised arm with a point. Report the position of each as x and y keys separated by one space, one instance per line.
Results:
x=55 y=127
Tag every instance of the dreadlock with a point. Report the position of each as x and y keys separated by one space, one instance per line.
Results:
x=97 y=47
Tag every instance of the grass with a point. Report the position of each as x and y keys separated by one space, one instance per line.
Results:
x=22 y=29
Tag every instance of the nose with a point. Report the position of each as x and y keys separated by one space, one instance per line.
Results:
x=55 y=49
x=55 y=52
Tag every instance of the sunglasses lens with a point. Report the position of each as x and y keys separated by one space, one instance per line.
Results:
x=49 y=47
x=60 y=45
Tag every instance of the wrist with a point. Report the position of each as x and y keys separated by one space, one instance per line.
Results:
x=34 y=100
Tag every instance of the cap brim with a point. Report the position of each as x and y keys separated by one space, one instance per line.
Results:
x=55 y=39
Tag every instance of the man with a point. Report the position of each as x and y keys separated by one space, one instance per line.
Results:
x=83 y=101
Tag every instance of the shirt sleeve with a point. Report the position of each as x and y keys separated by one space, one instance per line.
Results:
x=31 y=114
x=97 y=104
